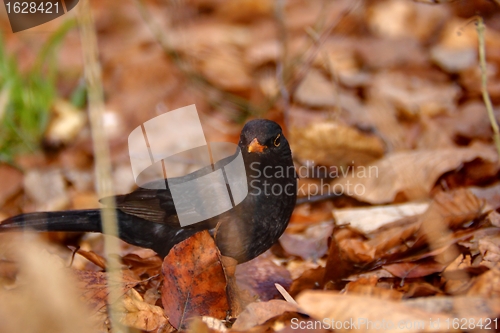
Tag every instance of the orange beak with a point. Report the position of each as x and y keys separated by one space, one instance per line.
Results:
x=256 y=147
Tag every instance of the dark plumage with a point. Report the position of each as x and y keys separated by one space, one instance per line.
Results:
x=148 y=218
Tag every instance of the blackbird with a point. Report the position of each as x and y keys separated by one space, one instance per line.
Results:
x=148 y=218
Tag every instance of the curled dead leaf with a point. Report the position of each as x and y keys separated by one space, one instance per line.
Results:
x=411 y=174
x=367 y=314
x=134 y=312
x=258 y=313
x=194 y=283
x=334 y=144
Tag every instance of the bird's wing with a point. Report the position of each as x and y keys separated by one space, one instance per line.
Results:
x=157 y=205
x=151 y=205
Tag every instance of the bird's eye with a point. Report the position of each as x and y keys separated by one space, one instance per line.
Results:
x=277 y=141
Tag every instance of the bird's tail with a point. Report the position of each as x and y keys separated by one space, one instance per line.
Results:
x=88 y=220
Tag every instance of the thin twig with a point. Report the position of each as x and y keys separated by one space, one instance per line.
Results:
x=334 y=77
x=285 y=294
x=196 y=78
x=484 y=83
x=313 y=52
x=281 y=63
x=92 y=70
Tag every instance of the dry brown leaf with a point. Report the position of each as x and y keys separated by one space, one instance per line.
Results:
x=358 y=250
x=489 y=247
x=494 y=218
x=403 y=52
x=401 y=19
x=470 y=121
x=487 y=285
x=93 y=258
x=194 y=281
x=433 y=135
x=338 y=264
x=368 y=287
x=43 y=297
x=408 y=270
x=245 y=10
x=395 y=238
x=258 y=313
x=415 y=97
x=310 y=244
x=226 y=70
x=411 y=174
x=414 y=289
x=143 y=262
x=369 y=219
x=333 y=144
x=316 y=90
x=134 y=312
x=12 y=182
x=457 y=49
x=458 y=306
x=451 y=210
x=85 y=200
x=94 y=289
x=310 y=279
x=383 y=116
x=367 y=314
x=259 y=275
x=47 y=188
x=490 y=194
x=205 y=325
x=66 y=123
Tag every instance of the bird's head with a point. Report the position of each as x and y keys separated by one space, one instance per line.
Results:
x=261 y=138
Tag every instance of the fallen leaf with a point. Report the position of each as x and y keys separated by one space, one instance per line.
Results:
x=66 y=123
x=338 y=265
x=404 y=52
x=134 y=312
x=408 y=270
x=205 y=325
x=12 y=182
x=93 y=258
x=369 y=219
x=486 y=285
x=452 y=210
x=310 y=279
x=47 y=188
x=259 y=275
x=226 y=70
x=457 y=306
x=145 y=263
x=310 y=244
x=43 y=297
x=491 y=194
x=413 y=96
x=334 y=144
x=456 y=52
x=368 y=287
x=246 y=10
x=411 y=174
x=94 y=287
x=316 y=91
x=400 y=19
x=368 y=314
x=258 y=313
x=194 y=281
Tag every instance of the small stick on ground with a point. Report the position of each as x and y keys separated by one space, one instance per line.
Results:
x=484 y=83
